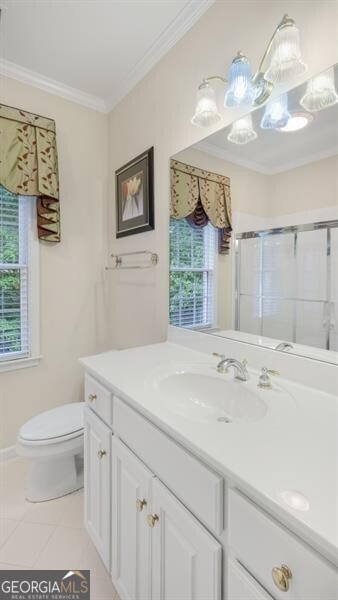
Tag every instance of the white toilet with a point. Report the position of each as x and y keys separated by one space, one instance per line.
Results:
x=53 y=442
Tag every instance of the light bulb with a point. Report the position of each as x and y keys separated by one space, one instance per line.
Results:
x=206 y=113
x=276 y=114
x=286 y=60
x=320 y=92
x=242 y=131
x=240 y=90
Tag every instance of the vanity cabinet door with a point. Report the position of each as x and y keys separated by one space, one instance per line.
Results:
x=186 y=559
x=130 y=532
x=241 y=586
x=97 y=496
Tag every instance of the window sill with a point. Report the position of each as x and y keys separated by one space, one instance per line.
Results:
x=19 y=363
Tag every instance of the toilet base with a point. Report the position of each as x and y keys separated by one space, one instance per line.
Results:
x=53 y=478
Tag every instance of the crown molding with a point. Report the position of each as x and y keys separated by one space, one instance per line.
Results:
x=224 y=155
x=218 y=152
x=14 y=71
x=185 y=19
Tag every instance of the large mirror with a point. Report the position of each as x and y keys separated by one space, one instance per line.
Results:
x=254 y=226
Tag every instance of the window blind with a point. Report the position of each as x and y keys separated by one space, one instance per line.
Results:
x=192 y=262
x=14 y=328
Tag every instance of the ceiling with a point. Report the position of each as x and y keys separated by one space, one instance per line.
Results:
x=274 y=151
x=91 y=51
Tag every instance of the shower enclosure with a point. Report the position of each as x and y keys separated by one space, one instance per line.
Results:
x=287 y=284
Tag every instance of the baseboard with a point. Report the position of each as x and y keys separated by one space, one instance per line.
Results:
x=7 y=453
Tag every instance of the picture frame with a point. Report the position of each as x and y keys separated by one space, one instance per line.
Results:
x=134 y=185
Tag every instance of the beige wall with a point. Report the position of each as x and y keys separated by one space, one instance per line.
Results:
x=310 y=187
x=158 y=112
x=72 y=291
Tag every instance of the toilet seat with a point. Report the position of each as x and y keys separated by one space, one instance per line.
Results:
x=54 y=426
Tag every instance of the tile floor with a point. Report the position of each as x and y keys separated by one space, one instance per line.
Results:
x=48 y=535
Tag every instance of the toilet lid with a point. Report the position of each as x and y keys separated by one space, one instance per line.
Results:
x=54 y=423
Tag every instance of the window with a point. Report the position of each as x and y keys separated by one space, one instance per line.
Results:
x=192 y=279
x=18 y=278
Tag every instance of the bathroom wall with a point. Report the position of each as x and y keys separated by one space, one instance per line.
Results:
x=73 y=305
x=306 y=189
x=157 y=113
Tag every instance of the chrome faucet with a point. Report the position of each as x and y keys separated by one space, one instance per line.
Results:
x=284 y=346
x=241 y=372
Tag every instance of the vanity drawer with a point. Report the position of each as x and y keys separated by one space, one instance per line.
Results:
x=99 y=399
x=260 y=544
x=199 y=488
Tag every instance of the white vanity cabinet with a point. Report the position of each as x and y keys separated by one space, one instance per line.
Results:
x=186 y=559
x=131 y=500
x=97 y=469
x=159 y=549
x=168 y=527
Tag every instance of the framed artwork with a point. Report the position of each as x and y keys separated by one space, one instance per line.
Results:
x=135 y=195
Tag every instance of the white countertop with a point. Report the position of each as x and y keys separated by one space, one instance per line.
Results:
x=291 y=448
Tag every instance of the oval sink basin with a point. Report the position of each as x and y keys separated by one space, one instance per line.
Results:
x=207 y=397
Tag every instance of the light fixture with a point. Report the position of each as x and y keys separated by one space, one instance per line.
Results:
x=281 y=62
x=206 y=113
x=240 y=90
x=320 y=92
x=242 y=131
x=285 y=59
x=295 y=500
x=276 y=114
x=297 y=121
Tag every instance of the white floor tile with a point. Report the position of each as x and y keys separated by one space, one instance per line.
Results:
x=7 y=567
x=63 y=550
x=25 y=544
x=7 y=527
x=72 y=513
x=102 y=589
x=50 y=512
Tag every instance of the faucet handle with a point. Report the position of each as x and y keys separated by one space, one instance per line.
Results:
x=270 y=371
x=222 y=356
x=264 y=378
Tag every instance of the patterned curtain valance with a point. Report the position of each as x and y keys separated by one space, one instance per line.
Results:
x=28 y=165
x=192 y=187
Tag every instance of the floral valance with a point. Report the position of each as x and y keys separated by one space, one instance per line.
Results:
x=28 y=165
x=191 y=186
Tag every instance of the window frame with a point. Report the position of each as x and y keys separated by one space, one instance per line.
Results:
x=211 y=273
x=33 y=294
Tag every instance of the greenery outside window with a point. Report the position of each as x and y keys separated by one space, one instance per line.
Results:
x=192 y=275
x=18 y=281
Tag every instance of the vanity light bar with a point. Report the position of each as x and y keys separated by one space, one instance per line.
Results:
x=281 y=63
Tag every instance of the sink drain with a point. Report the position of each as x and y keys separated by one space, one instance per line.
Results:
x=224 y=419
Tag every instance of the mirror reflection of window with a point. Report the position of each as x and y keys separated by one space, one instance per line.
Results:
x=192 y=275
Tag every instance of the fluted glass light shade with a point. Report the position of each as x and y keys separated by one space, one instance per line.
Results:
x=320 y=92
x=240 y=90
x=285 y=56
x=276 y=113
x=206 y=113
x=242 y=131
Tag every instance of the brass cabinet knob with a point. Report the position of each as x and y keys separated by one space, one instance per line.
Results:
x=140 y=504
x=281 y=577
x=101 y=453
x=152 y=520
x=92 y=397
